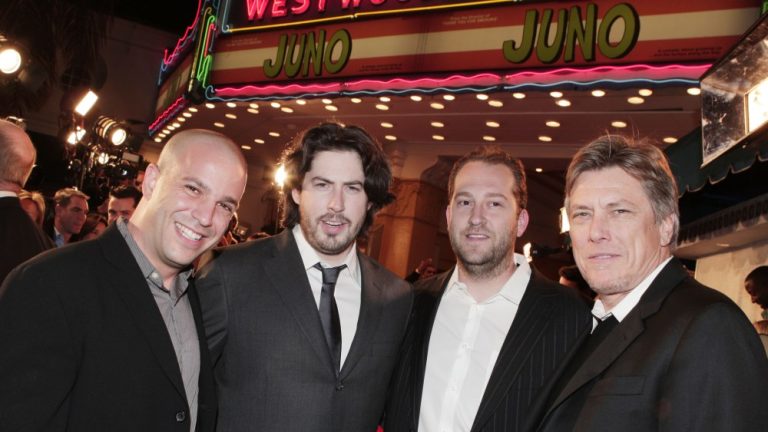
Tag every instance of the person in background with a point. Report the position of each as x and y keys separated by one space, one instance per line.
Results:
x=122 y=202
x=106 y=335
x=20 y=237
x=34 y=204
x=94 y=225
x=756 y=284
x=665 y=352
x=70 y=211
x=423 y=271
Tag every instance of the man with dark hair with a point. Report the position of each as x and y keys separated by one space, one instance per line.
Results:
x=20 y=237
x=106 y=335
x=70 y=211
x=122 y=202
x=756 y=284
x=666 y=353
x=487 y=336
x=291 y=355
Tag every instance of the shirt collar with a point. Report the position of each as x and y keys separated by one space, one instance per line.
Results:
x=5 y=194
x=309 y=256
x=625 y=306
x=512 y=290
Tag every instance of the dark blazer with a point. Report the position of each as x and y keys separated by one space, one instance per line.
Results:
x=272 y=365
x=20 y=237
x=549 y=323
x=84 y=348
x=684 y=359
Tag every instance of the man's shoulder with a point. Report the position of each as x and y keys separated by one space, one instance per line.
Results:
x=381 y=273
x=560 y=295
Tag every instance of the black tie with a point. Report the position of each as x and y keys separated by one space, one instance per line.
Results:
x=329 y=312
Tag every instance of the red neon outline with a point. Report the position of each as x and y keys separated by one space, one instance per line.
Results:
x=167 y=113
x=170 y=59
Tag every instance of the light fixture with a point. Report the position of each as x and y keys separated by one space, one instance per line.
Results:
x=210 y=105
x=489 y=138
x=438 y=137
x=186 y=114
x=192 y=109
x=110 y=130
x=332 y=108
x=385 y=99
x=280 y=176
x=86 y=103
x=416 y=98
x=76 y=135
x=158 y=139
x=230 y=116
x=326 y=101
x=275 y=105
x=556 y=94
x=274 y=134
x=437 y=124
x=390 y=137
x=545 y=138
x=538 y=170
x=669 y=140
x=253 y=110
x=496 y=103
x=481 y=96
x=693 y=91
x=563 y=103
x=598 y=93
x=552 y=123
x=382 y=107
x=10 y=60
x=619 y=124
x=645 y=92
x=635 y=100
x=492 y=124
x=449 y=97
x=176 y=125
x=253 y=105
x=286 y=109
x=218 y=124
x=258 y=141
x=437 y=105
x=103 y=158
x=245 y=147
x=301 y=102
x=387 y=125
x=355 y=100
x=518 y=95
x=181 y=119
x=231 y=105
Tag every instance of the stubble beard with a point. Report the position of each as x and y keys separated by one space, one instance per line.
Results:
x=487 y=264
x=325 y=244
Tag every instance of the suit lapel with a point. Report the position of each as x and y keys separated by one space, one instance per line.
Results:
x=529 y=325
x=628 y=330
x=132 y=287
x=285 y=271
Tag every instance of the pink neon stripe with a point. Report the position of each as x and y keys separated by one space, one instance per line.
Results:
x=170 y=59
x=167 y=113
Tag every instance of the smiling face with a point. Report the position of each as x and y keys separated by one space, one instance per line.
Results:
x=189 y=201
x=484 y=219
x=332 y=203
x=616 y=239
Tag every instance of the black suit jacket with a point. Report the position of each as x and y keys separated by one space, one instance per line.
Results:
x=272 y=364
x=20 y=237
x=550 y=321
x=684 y=359
x=83 y=347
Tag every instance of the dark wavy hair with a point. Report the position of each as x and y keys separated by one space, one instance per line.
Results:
x=297 y=160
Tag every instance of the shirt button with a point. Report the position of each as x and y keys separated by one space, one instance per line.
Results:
x=339 y=386
x=181 y=416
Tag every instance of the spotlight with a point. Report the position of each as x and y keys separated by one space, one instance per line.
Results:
x=86 y=103
x=110 y=130
x=10 y=60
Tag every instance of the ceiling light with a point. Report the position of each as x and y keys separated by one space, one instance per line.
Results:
x=645 y=92
x=489 y=138
x=258 y=141
x=166 y=131
x=496 y=103
x=286 y=109
x=384 y=98
x=481 y=96
x=231 y=105
x=492 y=124
x=544 y=138
x=245 y=147
x=356 y=100
x=449 y=97
x=253 y=110
x=230 y=116
x=538 y=170
x=387 y=125
x=382 y=107
x=598 y=93
x=253 y=105
x=552 y=123
x=274 y=134
x=416 y=98
x=693 y=91
x=635 y=100
x=162 y=135
x=219 y=124
x=301 y=102
x=181 y=119
x=275 y=105
x=437 y=105
x=326 y=101
x=186 y=114
x=192 y=109
x=563 y=102
x=518 y=95
x=390 y=137
x=437 y=124
x=332 y=108
x=556 y=94
x=669 y=140
x=157 y=140
x=86 y=103
x=619 y=124
x=210 y=105
x=10 y=60
x=438 y=137
x=176 y=125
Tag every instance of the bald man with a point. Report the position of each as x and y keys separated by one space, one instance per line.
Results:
x=20 y=237
x=106 y=335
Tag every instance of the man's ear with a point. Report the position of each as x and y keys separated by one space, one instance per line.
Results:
x=666 y=230
x=522 y=222
x=151 y=175
x=296 y=196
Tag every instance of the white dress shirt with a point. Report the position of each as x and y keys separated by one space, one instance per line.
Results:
x=348 y=287
x=625 y=306
x=465 y=342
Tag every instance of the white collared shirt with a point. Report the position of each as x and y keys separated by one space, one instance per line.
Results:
x=4 y=194
x=466 y=340
x=625 y=306
x=348 y=287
